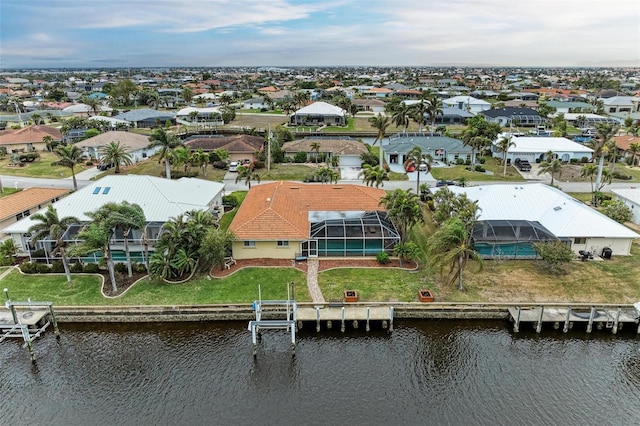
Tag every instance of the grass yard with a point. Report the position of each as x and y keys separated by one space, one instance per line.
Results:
x=8 y=191
x=40 y=168
x=241 y=287
x=287 y=171
x=492 y=165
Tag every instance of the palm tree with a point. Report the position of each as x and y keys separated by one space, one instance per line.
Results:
x=601 y=145
x=404 y=210
x=92 y=103
x=201 y=159
x=70 y=156
x=552 y=167
x=416 y=157
x=193 y=115
x=634 y=148
x=589 y=170
x=406 y=251
x=248 y=175
x=128 y=217
x=373 y=175
x=48 y=142
x=434 y=108
x=315 y=146
x=451 y=245
x=381 y=123
x=418 y=112
x=503 y=146
x=48 y=224
x=168 y=142
x=401 y=116
x=117 y=154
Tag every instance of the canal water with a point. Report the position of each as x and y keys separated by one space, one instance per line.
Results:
x=431 y=372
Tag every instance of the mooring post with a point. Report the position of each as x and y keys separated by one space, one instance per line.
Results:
x=254 y=339
x=592 y=315
x=616 y=322
x=54 y=321
x=10 y=306
x=27 y=341
x=367 y=326
x=342 y=327
x=317 y=319
x=566 y=321
x=539 y=325
x=516 y=326
x=390 y=318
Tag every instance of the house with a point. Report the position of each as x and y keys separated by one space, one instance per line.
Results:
x=255 y=103
x=532 y=148
x=136 y=144
x=28 y=138
x=453 y=116
x=623 y=143
x=239 y=147
x=25 y=203
x=631 y=198
x=512 y=217
x=160 y=200
x=441 y=148
x=467 y=103
x=83 y=110
x=517 y=116
x=377 y=92
x=147 y=118
x=204 y=118
x=369 y=105
x=567 y=107
x=582 y=120
x=319 y=113
x=348 y=150
x=621 y=106
x=290 y=220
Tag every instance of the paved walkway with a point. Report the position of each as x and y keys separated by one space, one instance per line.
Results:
x=312 y=281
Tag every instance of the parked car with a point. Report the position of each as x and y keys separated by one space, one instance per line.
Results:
x=523 y=165
x=442 y=183
x=233 y=166
x=105 y=166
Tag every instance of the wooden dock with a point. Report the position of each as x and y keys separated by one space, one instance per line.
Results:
x=609 y=317
x=353 y=314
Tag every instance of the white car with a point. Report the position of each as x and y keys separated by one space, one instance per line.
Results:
x=233 y=166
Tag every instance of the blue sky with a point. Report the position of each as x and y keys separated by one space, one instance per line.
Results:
x=134 y=33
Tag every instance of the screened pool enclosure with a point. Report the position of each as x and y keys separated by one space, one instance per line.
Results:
x=349 y=233
x=509 y=238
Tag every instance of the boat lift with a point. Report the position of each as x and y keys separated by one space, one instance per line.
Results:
x=274 y=307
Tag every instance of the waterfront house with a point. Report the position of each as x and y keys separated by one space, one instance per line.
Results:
x=631 y=198
x=22 y=204
x=348 y=150
x=239 y=147
x=467 y=103
x=532 y=148
x=517 y=116
x=318 y=114
x=136 y=144
x=441 y=148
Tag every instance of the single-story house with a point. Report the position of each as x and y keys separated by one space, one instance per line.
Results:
x=28 y=138
x=85 y=110
x=631 y=198
x=290 y=220
x=441 y=148
x=369 y=105
x=568 y=107
x=621 y=106
x=210 y=117
x=519 y=116
x=512 y=217
x=112 y=123
x=531 y=148
x=453 y=116
x=319 y=113
x=147 y=118
x=255 y=103
x=583 y=120
x=239 y=147
x=467 y=103
x=623 y=143
x=347 y=149
x=136 y=144
x=25 y=203
x=160 y=200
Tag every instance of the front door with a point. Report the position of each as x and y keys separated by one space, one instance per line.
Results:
x=310 y=248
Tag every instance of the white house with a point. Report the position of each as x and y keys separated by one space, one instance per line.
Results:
x=319 y=113
x=200 y=117
x=136 y=145
x=160 y=200
x=467 y=103
x=532 y=147
x=513 y=209
x=631 y=198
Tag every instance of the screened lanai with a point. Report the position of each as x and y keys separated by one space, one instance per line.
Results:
x=509 y=238
x=352 y=233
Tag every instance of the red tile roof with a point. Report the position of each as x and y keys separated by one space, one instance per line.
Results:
x=31 y=134
x=27 y=199
x=280 y=210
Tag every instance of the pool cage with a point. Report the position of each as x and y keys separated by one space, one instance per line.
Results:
x=349 y=233
x=509 y=239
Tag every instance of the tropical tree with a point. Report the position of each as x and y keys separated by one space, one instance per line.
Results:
x=450 y=205
x=245 y=173
x=37 y=118
x=554 y=167
x=48 y=142
x=214 y=248
x=201 y=160
x=117 y=154
x=503 y=146
x=128 y=217
x=193 y=115
x=373 y=175
x=401 y=116
x=167 y=143
x=381 y=123
x=49 y=225
x=8 y=251
x=416 y=157
x=589 y=170
x=407 y=251
x=328 y=175
x=70 y=156
x=451 y=245
x=187 y=95
x=182 y=157
x=404 y=210
x=634 y=148
x=601 y=145
x=418 y=112
x=434 y=108
x=315 y=146
x=93 y=103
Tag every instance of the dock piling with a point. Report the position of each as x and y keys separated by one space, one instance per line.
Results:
x=592 y=315
x=566 y=321
x=390 y=318
x=617 y=321
x=342 y=326
x=317 y=319
x=516 y=326
x=539 y=325
x=368 y=314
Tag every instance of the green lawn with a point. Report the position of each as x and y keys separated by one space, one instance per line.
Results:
x=287 y=171
x=492 y=165
x=40 y=168
x=241 y=287
x=227 y=218
x=8 y=191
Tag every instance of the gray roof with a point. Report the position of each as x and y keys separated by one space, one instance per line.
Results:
x=159 y=198
x=426 y=143
x=144 y=114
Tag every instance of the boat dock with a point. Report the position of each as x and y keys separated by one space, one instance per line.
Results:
x=343 y=313
x=607 y=317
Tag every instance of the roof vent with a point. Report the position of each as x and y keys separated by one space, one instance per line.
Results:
x=268 y=200
x=556 y=208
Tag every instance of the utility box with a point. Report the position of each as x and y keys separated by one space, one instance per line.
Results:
x=606 y=253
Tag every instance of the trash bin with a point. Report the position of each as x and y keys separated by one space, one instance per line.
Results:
x=606 y=253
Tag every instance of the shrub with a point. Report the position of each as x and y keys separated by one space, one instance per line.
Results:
x=479 y=168
x=76 y=267
x=120 y=268
x=229 y=200
x=467 y=162
x=584 y=160
x=258 y=164
x=617 y=210
x=300 y=157
x=554 y=254
x=57 y=267
x=482 y=160
x=141 y=268
x=382 y=258
x=43 y=268
x=538 y=160
x=459 y=161
x=618 y=175
x=91 y=268
x=28 y=267
x=574 y=161
x=179 y=174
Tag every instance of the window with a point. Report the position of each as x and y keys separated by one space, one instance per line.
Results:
x=283 y=244
x=249 y=244
x=580 y=240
